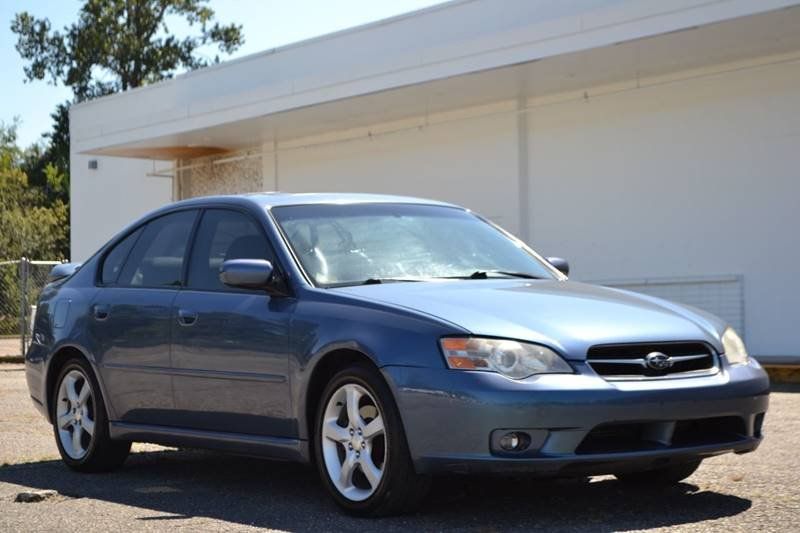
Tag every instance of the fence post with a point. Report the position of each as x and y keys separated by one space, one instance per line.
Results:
x=23 y=304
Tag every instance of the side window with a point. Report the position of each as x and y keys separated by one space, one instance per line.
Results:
x=223 y=235
x=112 y=264
x=157 y=257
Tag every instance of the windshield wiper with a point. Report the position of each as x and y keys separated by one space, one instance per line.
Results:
x=485 y=274
x=488 y=274
x=377 y=281
x=369 y=281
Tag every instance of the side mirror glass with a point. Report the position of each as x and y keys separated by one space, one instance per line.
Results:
x=561 y=264
x=246 y=273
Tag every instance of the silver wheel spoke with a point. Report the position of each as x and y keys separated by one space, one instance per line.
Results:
x=371 y=472
x=88 y=426
x=333 y=431
x=65 y=420
x=84 y=394
x=76 y=440
x=348 y=467
x=374 y=428
x=72 y=394
x=353 y=397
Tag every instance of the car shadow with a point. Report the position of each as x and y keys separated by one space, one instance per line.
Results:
x=173 y=485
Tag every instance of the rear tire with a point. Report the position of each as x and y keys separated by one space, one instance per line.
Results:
x=364 y=463
x=80 y=422
x=669 y=475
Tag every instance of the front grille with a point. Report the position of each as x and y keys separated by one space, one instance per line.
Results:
x=652 y=360
x=643 y=436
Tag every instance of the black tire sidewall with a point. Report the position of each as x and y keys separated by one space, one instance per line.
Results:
x=396 y=448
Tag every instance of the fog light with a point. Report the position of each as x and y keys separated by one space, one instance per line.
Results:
x=512 y=442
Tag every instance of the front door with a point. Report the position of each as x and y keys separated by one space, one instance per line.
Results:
x=130 y=321
x=230 y=346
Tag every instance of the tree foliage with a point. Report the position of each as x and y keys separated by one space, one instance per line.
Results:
x=33 y=225
x=120 y=44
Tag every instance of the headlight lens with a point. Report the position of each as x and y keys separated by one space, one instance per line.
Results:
x=734 y=347
x=512 y=359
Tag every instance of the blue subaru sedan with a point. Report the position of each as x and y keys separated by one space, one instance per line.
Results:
x=384 y=339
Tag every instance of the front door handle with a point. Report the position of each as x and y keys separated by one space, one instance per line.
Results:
x=186 y=317
x=100 y=312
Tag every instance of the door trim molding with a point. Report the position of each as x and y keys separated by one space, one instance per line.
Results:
x=197 y=373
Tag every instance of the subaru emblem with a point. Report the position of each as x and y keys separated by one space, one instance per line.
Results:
x=658 y=361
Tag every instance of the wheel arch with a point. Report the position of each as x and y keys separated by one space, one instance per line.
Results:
x=54 y=365
x=325 y=368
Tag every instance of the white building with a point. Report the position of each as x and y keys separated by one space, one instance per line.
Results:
x=653 y=143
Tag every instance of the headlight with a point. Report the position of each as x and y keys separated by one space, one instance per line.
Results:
x=734 y=348
x=512 y=359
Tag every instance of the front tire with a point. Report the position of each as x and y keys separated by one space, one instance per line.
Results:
x=360 y=447
x=669 y=475
x=80 y=422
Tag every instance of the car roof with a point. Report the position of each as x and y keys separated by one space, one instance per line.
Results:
x=276 y=199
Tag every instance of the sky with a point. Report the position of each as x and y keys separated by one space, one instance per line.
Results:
x=266 y=24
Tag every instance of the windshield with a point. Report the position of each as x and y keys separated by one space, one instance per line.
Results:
x=354 y=244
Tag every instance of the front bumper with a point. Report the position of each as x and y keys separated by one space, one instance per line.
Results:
x=450 y=415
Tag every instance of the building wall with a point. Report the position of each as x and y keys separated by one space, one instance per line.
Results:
x=471 y=162
x=688 y=184
x=699 y=177
x=105 y=200
x=691 y=185
x=454 y=157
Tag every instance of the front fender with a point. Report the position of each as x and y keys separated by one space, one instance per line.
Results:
x=385 y=335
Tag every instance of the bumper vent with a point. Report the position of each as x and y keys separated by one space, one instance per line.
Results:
x=638 y=437
x=652 y=360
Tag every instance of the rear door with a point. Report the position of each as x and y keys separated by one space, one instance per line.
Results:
x=131 y=317
x=230 y=346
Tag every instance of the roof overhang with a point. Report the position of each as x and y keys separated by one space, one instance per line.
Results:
x=247 y=102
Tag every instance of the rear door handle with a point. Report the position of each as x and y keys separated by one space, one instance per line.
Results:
x=186 y=317
x=100 y=312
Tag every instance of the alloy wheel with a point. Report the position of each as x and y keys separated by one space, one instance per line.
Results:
x=75 y=414
x=354 y=444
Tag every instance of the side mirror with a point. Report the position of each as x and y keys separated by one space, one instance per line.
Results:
x=63 y=270
x=246 y=273
x=561 y=264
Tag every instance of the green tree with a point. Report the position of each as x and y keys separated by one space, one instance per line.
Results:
x=31 y=225
x=47 y=163
x=120 y=44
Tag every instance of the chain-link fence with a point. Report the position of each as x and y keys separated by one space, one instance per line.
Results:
x=21 y=281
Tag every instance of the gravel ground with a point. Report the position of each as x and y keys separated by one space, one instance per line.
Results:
x=162 y=489
x=9 y=347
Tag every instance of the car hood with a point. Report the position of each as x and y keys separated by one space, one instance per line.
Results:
x=566 y=315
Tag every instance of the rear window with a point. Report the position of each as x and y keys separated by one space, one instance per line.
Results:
x=112 y=265
x=156 y=259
